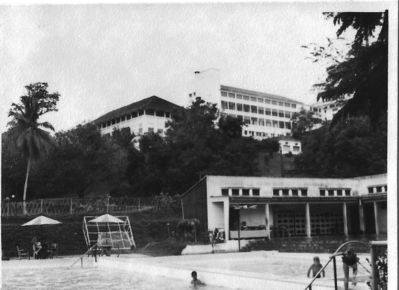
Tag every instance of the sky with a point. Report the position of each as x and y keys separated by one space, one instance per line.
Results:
x=101 y=57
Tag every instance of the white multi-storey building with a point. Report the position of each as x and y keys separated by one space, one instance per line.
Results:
x=325 y=111
x=265 y=115
x=147 y=115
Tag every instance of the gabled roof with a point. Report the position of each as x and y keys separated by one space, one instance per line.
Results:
x=258 y=94
x=153 y=103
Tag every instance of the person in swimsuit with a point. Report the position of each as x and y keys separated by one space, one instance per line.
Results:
x=349 y=260
x=196 y=282
x=315 y=268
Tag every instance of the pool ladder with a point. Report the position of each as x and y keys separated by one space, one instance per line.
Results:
x=83 y=255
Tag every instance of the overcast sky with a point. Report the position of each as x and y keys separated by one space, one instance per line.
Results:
x=105 y=56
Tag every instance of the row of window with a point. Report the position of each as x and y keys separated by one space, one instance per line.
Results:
x=378 y=189
x=262 y=134
x=257 y=99
x=286 y=191
x=255 y=110
x=240 y=191
x=335 y=192
x=262 y=122
x=290 y=192
x=134 y=115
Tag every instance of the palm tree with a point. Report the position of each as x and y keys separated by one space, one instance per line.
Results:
x=31 y=138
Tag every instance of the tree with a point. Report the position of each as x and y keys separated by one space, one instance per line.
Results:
x=363 y=73
x=302 y=122
x=351 y=148
x=32 y=138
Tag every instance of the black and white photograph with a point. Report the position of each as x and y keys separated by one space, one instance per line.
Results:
x=205 y=145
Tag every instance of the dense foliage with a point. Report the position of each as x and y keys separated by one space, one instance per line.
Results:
x=84 y=162
x=363 y=71
x=351 y=148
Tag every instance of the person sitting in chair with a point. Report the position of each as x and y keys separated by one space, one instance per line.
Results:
x=37 y=246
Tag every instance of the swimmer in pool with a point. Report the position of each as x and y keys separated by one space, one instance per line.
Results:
x=316 y=267
x=196 y=282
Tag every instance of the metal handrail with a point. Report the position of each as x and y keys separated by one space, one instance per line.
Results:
x=332 y=258
x=81 y=256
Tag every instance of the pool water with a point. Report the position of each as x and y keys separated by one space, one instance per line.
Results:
x=63 y=277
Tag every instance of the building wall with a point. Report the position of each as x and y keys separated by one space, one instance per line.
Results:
x=195 y=204
x=215 y=215
x=358 y=185
x=290 y=146
x=140 y=125
x=253 y=217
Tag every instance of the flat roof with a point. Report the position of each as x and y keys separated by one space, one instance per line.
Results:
x=258 y=94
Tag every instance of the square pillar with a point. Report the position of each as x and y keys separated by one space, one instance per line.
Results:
x=377 y=226
x=308 y=225
x=226 y=216
x=345 y=215
x=267 y=219
x=362 y=225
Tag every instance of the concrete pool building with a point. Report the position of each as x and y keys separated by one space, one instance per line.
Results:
x=266 y=206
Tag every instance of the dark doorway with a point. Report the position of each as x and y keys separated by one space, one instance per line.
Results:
x=369 y=218
x=233 y=222
x=353 y=219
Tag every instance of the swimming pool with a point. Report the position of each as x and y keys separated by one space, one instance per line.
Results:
x=56 y=274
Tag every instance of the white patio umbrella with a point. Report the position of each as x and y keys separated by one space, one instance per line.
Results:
x=41 y=220
x=106 y=218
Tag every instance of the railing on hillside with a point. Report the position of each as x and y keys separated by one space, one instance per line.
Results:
x=72 y=206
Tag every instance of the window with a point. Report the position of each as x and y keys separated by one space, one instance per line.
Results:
x=339 y=192
x=370 y=190
x=239 y=117
x=293 y=106
x=275 y=192
x=260 y=100
x=254 y=121
x=261 y=110
x=347 y=192
x=267 y=101
x=225 y=191
x=254 y=109
x=231 y=95
x=294 y=192
x=274 y=103
x=261 y=122
x=134 y=114
x=275 y=124
x=149 y=112
x=159 y=113
x=253 y=99
x=255 y=192
x=113 y=121
x=141 y=112
x=239 y=97
x=246 y=108
x=268 y=112
x=245 y=191
x=239 y=107
x=224 y=94
x=281 y=114
x=268 y=123
x=288 y=125
x=379 y=188
x=287 y=105
x=235 y=192
x=167 y=114
x=232 y=106
x=304 y=191
x=281 y=104
x=322 y=192
x=224 y=105
x=247 y=120
x=330 y=192
x=287 y=114
x=285 y=192
x=118 y=120
x=281 y=124
x=274 y=113
x=128 y=116
x=123 y=118
x=245 y=98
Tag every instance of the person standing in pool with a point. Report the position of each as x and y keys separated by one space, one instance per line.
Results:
x=349 y=260
x=316 y=267
x=196 y=282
